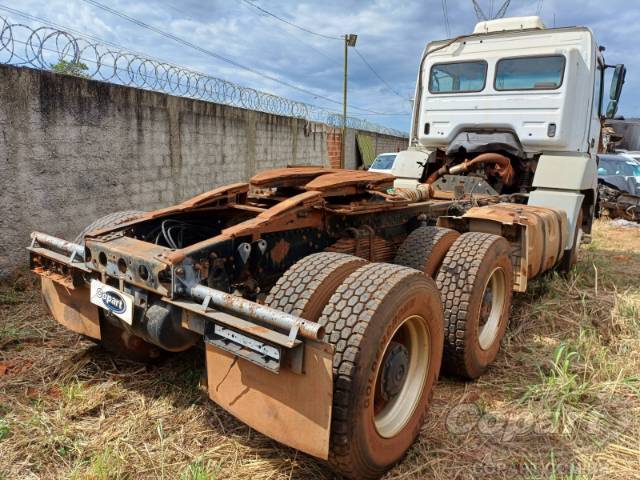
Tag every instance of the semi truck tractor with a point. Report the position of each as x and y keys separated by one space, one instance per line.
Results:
x=328 y=302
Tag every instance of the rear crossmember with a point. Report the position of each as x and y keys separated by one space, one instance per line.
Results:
x=225 y=320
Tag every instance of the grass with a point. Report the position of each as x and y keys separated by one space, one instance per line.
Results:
x=562 y=401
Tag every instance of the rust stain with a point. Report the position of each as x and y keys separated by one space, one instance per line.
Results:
x=288 y=177
x=547 y=231
x=345 y=182
x=279 y=251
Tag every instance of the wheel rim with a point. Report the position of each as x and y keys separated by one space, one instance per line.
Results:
x=401 y=376
x=493 y=299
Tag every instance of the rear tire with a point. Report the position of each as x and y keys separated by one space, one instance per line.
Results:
x=385 y=322
x=307 y=286
x=110 y=220
x=475 y=282
x=425 y=248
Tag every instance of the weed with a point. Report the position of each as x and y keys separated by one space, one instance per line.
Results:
x=105 y=466
x=561 y=386
x=9 y=297
x=564 y=393
x=4 y=429
x=72 y=391
x=201 y=470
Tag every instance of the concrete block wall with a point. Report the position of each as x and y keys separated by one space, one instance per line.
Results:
x=72 y=150
x=389 y=144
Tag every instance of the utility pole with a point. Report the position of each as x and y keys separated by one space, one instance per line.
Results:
x=349 y=41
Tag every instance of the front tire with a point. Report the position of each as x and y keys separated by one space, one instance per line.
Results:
x=385 y=322
x=570 y=257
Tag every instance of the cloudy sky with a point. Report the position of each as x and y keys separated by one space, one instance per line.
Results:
x=391 y=36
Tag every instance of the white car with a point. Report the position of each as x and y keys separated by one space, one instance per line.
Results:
x=633 y=153
x=383 y=163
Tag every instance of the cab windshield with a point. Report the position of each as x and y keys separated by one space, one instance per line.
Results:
x=458 y=77
x=530 y=73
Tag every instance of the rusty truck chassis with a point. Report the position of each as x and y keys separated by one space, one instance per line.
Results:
x=213 y=285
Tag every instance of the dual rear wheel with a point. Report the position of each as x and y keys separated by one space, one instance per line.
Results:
x=385 y=323
x=393 y=326
x=474 y=275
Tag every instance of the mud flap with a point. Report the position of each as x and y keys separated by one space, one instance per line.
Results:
x=71 y=308
x=294 y=409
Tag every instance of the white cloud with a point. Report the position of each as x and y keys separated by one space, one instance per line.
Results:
x=392 y=35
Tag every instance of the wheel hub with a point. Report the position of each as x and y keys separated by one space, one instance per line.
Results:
x=394 y=370
x=491 y=309
x=487 y=305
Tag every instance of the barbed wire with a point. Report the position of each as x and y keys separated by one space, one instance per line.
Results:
x=49 y=48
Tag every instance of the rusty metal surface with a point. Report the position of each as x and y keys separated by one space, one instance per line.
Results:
x=193 y=311
x=617 y=204
x=292 y=409
x=135 y=254
x=256 y=311
x=421 y=193
x=57 y=267
x=227 y=194
x=49 y=241
x=536 y=234
x=279 y=251
x=515 y=233
x=378 y=250
x=71 y=308
x=500 y=165
x=481 y=198
x=350 y=182
x=547 y=231
x=291 y=213
x=288 y=177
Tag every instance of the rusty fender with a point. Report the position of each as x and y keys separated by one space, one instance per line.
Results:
x=294 y=409
x=71 y=308
x=537 y=235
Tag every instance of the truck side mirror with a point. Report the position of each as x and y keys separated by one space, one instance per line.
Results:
x=617 y=81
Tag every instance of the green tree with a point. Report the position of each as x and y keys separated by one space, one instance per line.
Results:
x=77 y=69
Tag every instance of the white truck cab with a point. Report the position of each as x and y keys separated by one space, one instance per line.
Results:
x=531 y=95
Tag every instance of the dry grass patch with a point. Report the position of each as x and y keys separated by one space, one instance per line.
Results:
x=562 y=400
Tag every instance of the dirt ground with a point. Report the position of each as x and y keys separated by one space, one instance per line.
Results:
x=561 y=401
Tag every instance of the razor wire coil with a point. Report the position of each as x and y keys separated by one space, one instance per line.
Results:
x=45 y=47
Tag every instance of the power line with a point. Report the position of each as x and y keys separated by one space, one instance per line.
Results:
x=400 y=114
x=479 y=12
x=445 y=14
x=125 y=67
x=248 y=2
x=220 y=57
x=330 y=37
x=378 y=75
x=501 y=12
x=65 y=28
x=298 y=38
x=503 y=9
